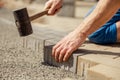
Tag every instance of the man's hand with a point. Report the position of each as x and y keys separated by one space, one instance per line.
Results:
x=64 y=48
x=1 y=4
x=53 y=6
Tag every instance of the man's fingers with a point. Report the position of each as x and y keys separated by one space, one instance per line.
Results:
x=57 y=10
x=52 y=9
x=47 y=5
x=54 y=49
x=62 y=53
x=57 y=53
x=68 y=54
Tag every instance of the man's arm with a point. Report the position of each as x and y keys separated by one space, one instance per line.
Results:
x=1 y=4
x=104 y=10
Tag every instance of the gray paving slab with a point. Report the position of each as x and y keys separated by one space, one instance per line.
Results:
x=68 y=9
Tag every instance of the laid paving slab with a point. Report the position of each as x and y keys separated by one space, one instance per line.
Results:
x=103 y=72
x=68 y=9
x=106 y=55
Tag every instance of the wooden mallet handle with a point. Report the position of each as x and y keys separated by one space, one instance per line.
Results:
x=38 y=15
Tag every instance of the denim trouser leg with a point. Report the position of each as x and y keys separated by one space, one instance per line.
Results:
x=107 y=33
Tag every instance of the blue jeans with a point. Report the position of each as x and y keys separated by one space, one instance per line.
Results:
x=107 y=33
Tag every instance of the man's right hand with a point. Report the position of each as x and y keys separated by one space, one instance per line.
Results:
x=53 y=6
x=1 y=4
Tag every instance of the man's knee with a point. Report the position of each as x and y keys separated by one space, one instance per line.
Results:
x=104 y=35
x=96 y=38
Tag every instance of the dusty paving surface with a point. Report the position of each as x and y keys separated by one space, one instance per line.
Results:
x=18 y=63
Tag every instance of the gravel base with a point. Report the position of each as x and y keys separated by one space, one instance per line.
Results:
x=24 y=64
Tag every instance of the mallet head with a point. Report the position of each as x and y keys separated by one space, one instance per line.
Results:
x=23 y=22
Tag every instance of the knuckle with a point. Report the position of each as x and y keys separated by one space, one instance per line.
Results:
x=56 y=2
x=57 y=51
x=70 y=49
x=47 y=3
x=62 y=53
x=65 y=59
x=71 y=44
x=60 y=57
x=54 y=47
x=66 y=48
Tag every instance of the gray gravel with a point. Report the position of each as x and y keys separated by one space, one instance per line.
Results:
x=24 y=64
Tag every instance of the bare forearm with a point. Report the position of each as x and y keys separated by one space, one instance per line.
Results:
x=104 y=10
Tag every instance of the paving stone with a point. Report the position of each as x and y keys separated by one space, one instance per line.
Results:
x=70 y=65
x=103 y=72
x=102 y=59
x=6 y=14
x=83 y=65
x=48 y=44
x=90 y=60
x=68 y=9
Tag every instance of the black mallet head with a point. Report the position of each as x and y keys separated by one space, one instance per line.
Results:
x=22 y=21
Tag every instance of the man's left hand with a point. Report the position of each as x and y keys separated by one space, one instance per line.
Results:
x=64 y=48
